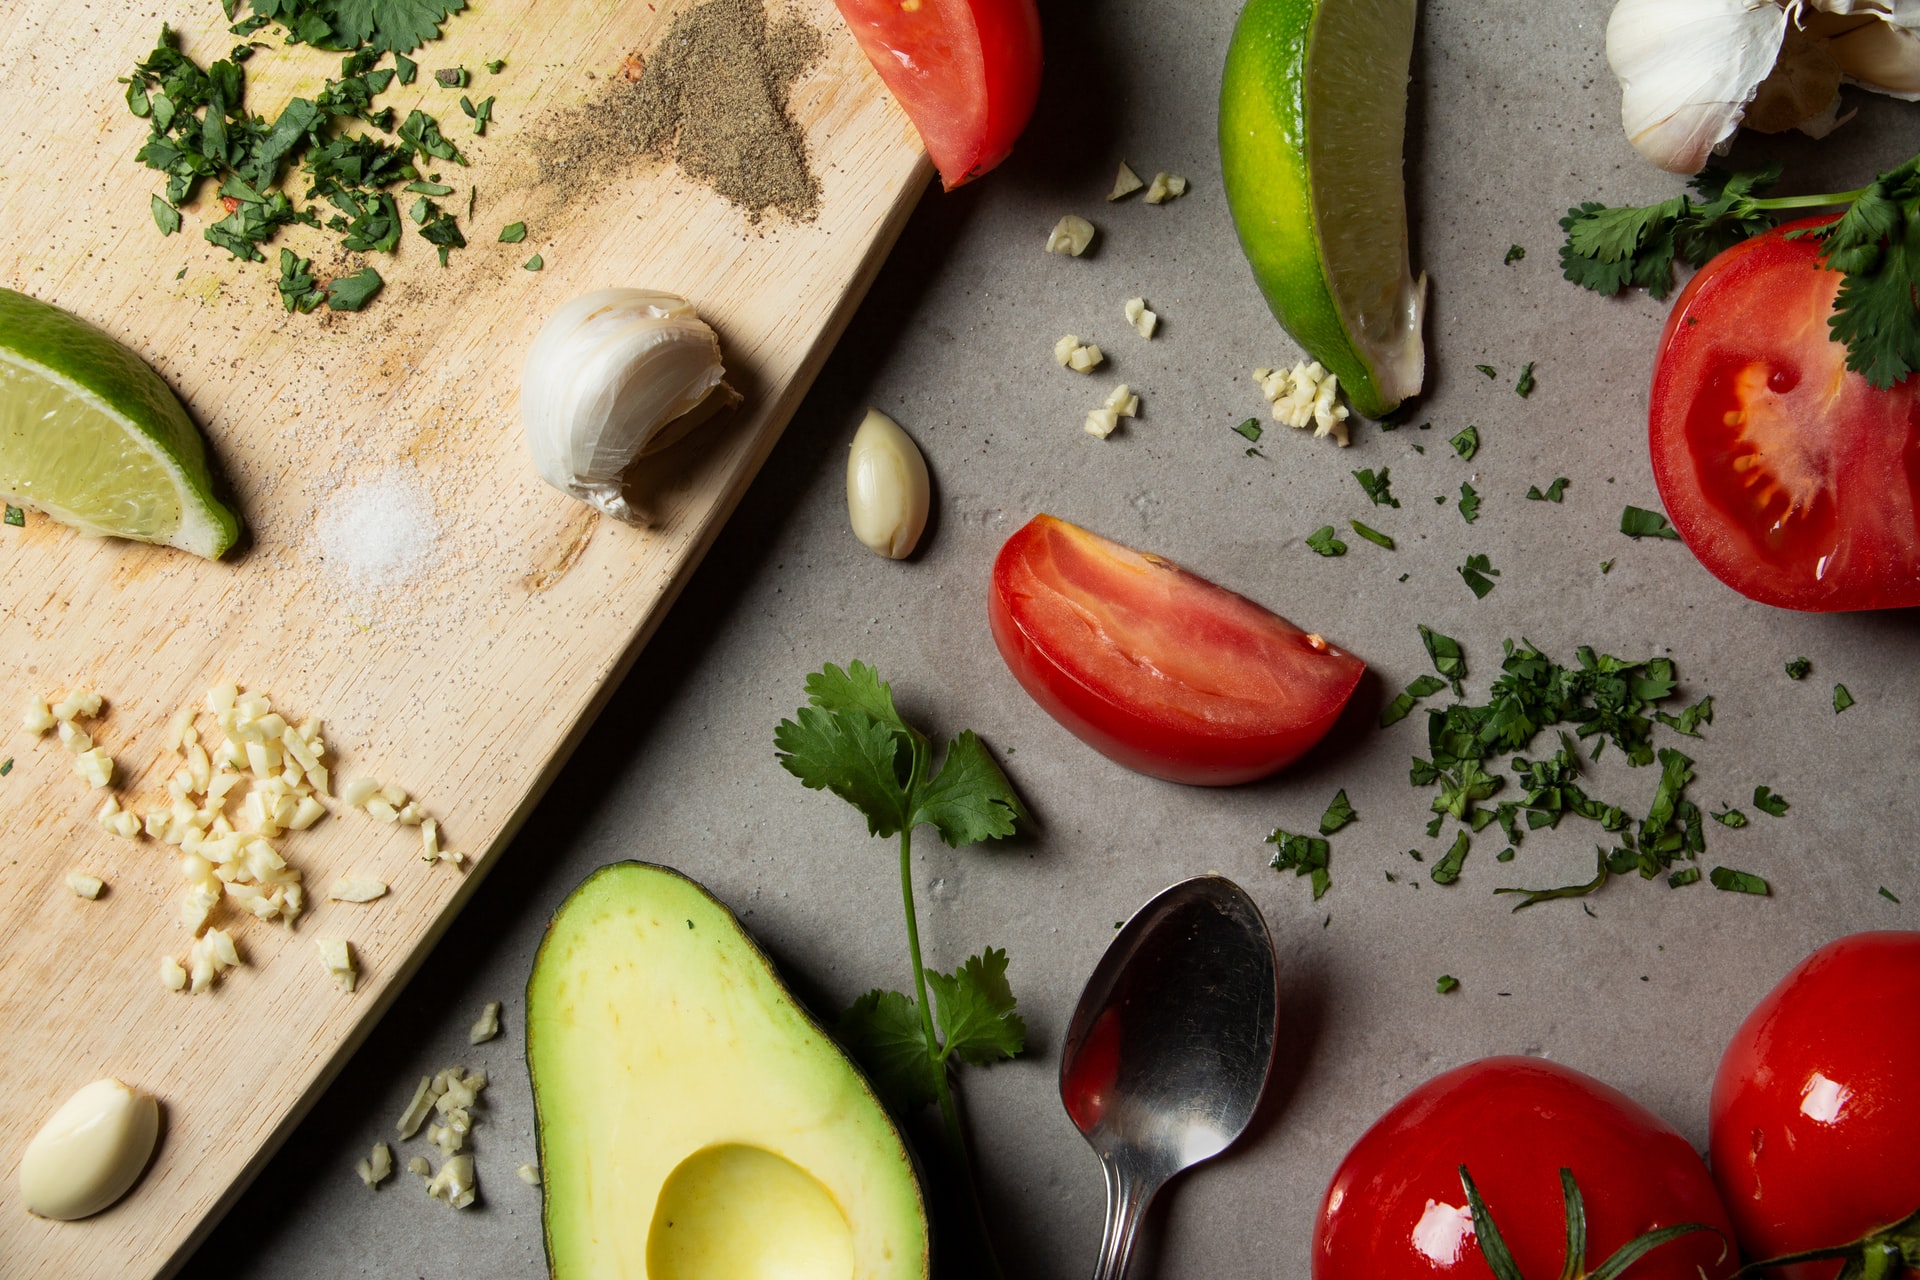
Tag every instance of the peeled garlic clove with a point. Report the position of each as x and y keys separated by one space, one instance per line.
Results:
x=89 y=1152
x=887 y=487
x=1688 y=69
x=1875 y=51
x=611 y=374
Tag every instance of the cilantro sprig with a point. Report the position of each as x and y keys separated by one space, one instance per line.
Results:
x=1874 y=244
x=851 y=741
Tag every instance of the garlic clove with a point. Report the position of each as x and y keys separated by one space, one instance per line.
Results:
x=1874 y=51
x=887 y=487
x=608 y=375
x=90 y=1152
x=1688 y=69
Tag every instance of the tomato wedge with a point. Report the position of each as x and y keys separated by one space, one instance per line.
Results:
x=1791 y=478
x=967 y=73
x=1156 y=668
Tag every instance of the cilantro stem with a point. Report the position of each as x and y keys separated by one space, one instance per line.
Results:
x=1809 y=202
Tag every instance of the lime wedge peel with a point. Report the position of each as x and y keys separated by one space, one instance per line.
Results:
x=95 y=439
x=1312 y=129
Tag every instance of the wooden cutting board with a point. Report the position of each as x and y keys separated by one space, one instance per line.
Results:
x=466 y=686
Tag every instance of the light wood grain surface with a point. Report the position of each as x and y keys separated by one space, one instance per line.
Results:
x=468 y=686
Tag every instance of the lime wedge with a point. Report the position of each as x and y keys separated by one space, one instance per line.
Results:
x=92 y=436
x=1313 y=116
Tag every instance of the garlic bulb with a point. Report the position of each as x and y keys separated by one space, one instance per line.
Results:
x=887 y=487
x=614 y=374
x=1692 y=71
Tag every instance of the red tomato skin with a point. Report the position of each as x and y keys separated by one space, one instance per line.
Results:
x=1395 y=1209
x=1175 y=747
x=966 y=72
x=1791 y=1181
x=1853 y=542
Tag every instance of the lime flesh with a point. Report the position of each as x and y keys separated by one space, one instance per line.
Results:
x=1313 y=108
x=94 y=438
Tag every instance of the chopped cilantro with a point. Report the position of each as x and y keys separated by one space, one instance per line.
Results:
x=405 y=67
x=16 y=517
x=1514 y=254
x=1447 y=870
x=452 y=77
x=482 y=114
x=351 y=293
x=1797 y=668
x=1339 y=813
x=1638 y=522
x=165 y=216
x=1378 y=487
x=1323 y=541
x=494 y=65
x=1505 y=855
x=1767 y=801
x=1488 y=369
x=1841 y=699
x=1469 y=503
x=428 y=189
x=1730 y=817
x=1683 y=877
x=1478 y=573
x=1732 y=881
x=299 y=291
x=1606 y=566
x=1533 y=897
x=1690 y=719
x=1251 y=429
x=1467 y=443
x=1524 y=387
x=1446 y=983
x=6 y=767
x=1402 y=705
x=1883 y=889
x=1553 y=492
x=513 y=233
x=397 y=25
x=1302 y=855
x=1372 y=535
x=1448 y=658
x=534 y=263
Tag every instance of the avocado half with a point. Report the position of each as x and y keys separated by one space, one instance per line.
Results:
x=695 y=1123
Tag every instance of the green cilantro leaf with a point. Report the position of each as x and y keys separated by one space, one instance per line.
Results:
x=1514 y=254
x=1726 y=878
x=1797 y=668
x=1469 y=503
x=1251 y=429
x=1402 y=704
x=513 y=233
x=973 y=1009
x=1488 y=369
x=882 y=1031
x=1553 y=492
x=1765 y=800
x=1683 y=877
x=1448 y=658
x=351 y=293
x=1841 y=699
x=16 y=516
x=165 y=216
x=1378 y=487
x=1478 y=573
x=1524 y=387
x=1730 y=817
x=970 y=799
x=1447 y=870
x=1447 y=983
x=405 y=67
x=1302 y=855
x=1339 y=813
x=494 y=66
x=1466 y=443
x=534 y=263
x=1323 y=541
x=1372 y=535
x=1884 y=891
x=451 y=77
x=1638 y=522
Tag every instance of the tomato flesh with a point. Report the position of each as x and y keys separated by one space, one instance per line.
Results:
x=1815 y=1118
x=966 y=72
x=1791 y=478
x=1157 y=668
x=1396 y=1210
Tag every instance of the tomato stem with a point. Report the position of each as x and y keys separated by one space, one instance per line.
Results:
x=1500 y=1261
x=1878 y=1255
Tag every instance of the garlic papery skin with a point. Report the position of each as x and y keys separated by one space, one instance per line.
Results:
x=1692 y=71
x=887 y=487
x=609 y=373
x=89 y=1152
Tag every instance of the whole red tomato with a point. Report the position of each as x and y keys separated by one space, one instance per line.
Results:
x=1815 y=1122
x=1396 y=1209
x=1155 y=667
x=966 y=72
x=1790 y=477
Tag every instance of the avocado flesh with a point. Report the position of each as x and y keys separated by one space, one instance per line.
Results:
x=695 y=1123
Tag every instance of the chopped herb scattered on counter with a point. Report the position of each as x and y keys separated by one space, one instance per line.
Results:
x=1731 y=881
x=851 y=741
x=1554 y=492
x=1488 y=369
x=1797 y=668
x=397 y=25
x=1304 y=856
x=452 y=77
x=1730 y=817
x=1467 y=443
x=534 y=263
x=1402 y=705
x=1447 y=983
x=1883 y=889
x=1524 y=387
x=1372 y=535
x=6 y=767
x=1378 y=487
x=513 y=233
x=1766 y=801
x=1841 y=699
x=1638 y=522
x=1323 y=541
x=1251 y=429
x=1447 y=870
x=1339 y=813
x=495 y=65
x=1469 y=503
x=1606 y=566
x=1478 y=573
x=16 y=516
x=1514 y=254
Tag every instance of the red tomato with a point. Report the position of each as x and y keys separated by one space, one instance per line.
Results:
x=1396 y=1211
x=1815 y=1122
x=967 y=73
x=1156 y=668
x=1792 y=479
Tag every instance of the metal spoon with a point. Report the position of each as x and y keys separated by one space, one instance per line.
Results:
x=1170 y=1046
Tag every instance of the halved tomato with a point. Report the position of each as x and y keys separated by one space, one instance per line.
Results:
x=967 y=73
x=1156 y=668
x=1793 y=479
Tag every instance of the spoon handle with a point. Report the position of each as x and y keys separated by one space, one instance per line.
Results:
x=1127 y=1200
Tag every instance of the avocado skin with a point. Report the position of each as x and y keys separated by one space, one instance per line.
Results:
x=642 y=879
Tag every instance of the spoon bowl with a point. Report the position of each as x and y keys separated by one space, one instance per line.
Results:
x=1171 y=1044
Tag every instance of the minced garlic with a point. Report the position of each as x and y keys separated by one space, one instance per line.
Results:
x=1143 y=321
x=377 y=1167
x=487 y=1025
x=1071 y=235
x=455 y=1182
x=357 y=890
x=1125 y=182
x=37 y=719
x=418 y=1165
x=96 y=766
x=1121 y=403
x=1306 y=396
x=1074 y=354
x=528 y=1174
x=1164 y=187
x=337 y=955
x=84 y=885
x=172 y=976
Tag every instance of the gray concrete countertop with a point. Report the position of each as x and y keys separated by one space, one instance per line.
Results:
x=1514 y=118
